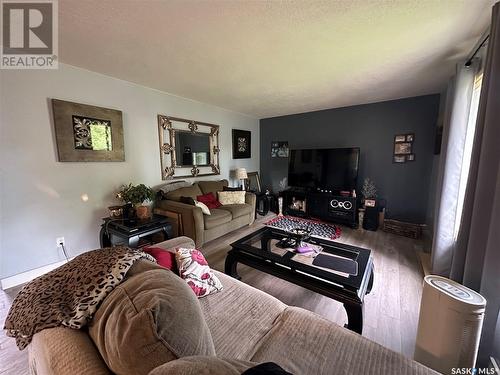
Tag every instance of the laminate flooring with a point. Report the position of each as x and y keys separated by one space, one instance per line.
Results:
x=391 y=309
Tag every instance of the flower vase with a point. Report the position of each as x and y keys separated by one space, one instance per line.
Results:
x=142 y=212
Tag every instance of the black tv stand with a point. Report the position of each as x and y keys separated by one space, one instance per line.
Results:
x=324 y=205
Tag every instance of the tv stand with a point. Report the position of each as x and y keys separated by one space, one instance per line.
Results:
x=327 y=206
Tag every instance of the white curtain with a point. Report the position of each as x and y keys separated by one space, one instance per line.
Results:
x=459 y=97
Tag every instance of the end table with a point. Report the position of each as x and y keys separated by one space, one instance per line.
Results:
x=134 y=233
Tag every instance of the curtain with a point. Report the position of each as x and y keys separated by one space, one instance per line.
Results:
x=474 y=258
x=459 y=96
x=481 y=270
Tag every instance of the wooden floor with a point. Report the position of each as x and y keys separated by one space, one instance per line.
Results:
x=391 y=309
x=12 y=361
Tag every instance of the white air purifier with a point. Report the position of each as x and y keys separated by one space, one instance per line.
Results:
x=449 y=327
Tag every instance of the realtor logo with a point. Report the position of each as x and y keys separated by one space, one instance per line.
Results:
x=29 y=34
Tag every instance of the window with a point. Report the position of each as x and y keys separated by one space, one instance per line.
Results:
x=467 y=152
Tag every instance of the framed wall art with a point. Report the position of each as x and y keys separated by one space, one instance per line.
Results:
x=279 y=149
x=253 y=182
x=242 y=147
x=86 y=133
x=403 y=148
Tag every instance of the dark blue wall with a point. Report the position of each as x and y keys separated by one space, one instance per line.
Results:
x=372 y=128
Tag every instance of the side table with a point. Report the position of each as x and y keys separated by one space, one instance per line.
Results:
x=134 y=233
x=266 y=203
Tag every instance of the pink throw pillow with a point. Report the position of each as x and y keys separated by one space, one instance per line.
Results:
x=164 y=257
x=194 y=269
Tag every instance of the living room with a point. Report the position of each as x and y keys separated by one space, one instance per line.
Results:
x=395 y=85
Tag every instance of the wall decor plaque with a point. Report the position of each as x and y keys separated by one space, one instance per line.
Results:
x=86 y=133
x=242 y=146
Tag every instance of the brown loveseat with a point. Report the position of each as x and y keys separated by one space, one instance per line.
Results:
x=203 y=228
x=246 y=325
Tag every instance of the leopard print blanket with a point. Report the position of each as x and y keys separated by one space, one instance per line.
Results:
x=70 y=294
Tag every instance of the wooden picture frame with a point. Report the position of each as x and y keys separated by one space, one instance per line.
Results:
x=242 y=144
x=86 y=133
x=403 y=148
x=253 y=182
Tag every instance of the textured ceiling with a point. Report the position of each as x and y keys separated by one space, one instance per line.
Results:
x=276 y=57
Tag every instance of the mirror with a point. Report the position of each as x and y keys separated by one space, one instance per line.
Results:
x=192 y=149
x=188 y=148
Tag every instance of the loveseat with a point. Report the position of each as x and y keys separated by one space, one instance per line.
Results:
x=203 y=228
x=247 y=327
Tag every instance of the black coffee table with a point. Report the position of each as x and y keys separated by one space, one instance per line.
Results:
x=258 y=250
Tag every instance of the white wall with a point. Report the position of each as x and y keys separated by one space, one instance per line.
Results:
x=41 y=197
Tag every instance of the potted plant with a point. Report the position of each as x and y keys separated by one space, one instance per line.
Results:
x=140 y=196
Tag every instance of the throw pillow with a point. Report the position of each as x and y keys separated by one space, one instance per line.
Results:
x=231 y=197
x=227 y=188
x=209 y=199
x=148 y=320
x=187 y=200
x=203 y=207
x=163 y=257
x=194 y=269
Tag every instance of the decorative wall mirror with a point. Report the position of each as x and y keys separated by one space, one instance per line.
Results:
x=188 y=148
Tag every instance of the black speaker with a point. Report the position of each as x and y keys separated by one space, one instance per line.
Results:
x=262 y=204
x=370 y=220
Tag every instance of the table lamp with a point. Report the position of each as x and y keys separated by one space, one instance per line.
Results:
x=241 y=174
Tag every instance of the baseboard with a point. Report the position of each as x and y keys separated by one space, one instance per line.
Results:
x=24 y=277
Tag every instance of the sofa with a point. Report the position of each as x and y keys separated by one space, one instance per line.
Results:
x=203 y=228
x=247 y=327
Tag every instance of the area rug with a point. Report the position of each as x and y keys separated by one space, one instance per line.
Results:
x=317 y=228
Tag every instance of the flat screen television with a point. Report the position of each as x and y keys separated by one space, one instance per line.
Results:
x=325 y=168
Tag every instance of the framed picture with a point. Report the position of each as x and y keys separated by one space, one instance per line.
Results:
x=400 y=138
x=279 y=149
x=410 y=157
x=399 y=159
x=402 y=148
x=242 y=144
x=370 y=202
x=253 y=182
x=87 y=133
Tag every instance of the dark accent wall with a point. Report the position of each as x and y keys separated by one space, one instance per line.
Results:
x=372 y=128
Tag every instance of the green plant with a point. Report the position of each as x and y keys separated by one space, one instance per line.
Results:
x=135 y=194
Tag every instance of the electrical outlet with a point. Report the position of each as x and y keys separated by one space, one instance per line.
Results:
x=60 y=241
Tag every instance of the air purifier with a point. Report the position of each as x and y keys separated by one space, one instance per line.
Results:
x=449 y=326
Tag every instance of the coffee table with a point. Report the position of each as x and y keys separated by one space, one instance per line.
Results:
x=258 y=250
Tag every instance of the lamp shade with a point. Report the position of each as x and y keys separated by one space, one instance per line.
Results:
x=241 y=173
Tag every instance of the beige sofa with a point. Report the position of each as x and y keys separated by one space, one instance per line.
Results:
x=246 y=324
x=203 y=228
